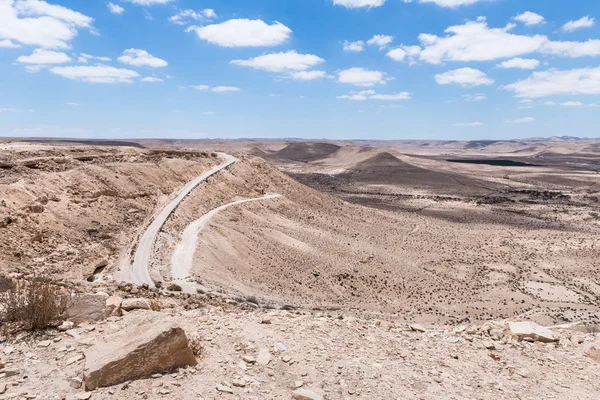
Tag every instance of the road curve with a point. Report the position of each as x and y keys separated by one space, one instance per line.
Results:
x=141 y=261
x=183 y=256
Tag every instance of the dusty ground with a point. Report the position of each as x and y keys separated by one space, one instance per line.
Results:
x=336 y=356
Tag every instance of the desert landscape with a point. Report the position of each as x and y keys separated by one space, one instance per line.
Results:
x=306 y=269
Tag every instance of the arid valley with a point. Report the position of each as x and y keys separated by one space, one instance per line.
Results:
x=333 y=269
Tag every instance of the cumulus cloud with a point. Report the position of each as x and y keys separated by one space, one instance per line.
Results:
x=8 y=44
x=224 y=89
x=37 y=23
x=152 y=79
x=382 y=41
x=308 y=75
x=585 y=22
x=558 y=82
x=361 y=77
x=359 y=3
x=44 y=57
x=466 y=77
x=371 y=94
x=404 y=52
x=96 y=74
x=572 y=49
x=186 y=17
x=138 y=58
x=520 y=63
x=244 y=33
x=521 y=120
x=354 y=46
x=475 y=41
x=115 y=8
x=529 y=18
x=281 y=62
x=448 y=3
x=470 y=124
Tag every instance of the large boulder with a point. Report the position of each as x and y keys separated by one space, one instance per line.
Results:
x=148 y=345
x=528 y=329
x=136 y=304
x=87 y=308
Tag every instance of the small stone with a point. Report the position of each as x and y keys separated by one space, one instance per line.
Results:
x=280 y=348
x=156 y=376
x=287 y=358
x=65 y=326
x=10 y=372
x=266 y=321
x=75 y=359
x=75 y=382
x=298 y=384
x=164 y=391
x=238 y=383
x=264 y=357
x=8 y=350
x=488 y=345
x=417 y=328
x=305 y=394
x=79 y=396
x=44 y=343
x=224 y=389
x=3 y=388
x=249 y=359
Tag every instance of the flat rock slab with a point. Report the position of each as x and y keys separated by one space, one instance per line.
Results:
x=532 y=330
x=148 y=345
x=87 y=308
x=305 y=394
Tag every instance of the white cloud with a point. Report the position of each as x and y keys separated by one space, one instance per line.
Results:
x=585 y=22
x=470 y=124
x=8 y=44
x=520 y=63
x=572 y=49
x=73 y=104
x=37 y=23
x=186 y=17
x=115 y=8
x=354 y=46
x=403 y=52
x=44 y=57
x=138 y=58
x=308 y=75
x=361 y=77
x=84 y=58
x=152 y=79
x=558 y=82
x=224 y=89
x=200 y=87
x=398 y=54
x=96 y=74
x=448 y=3
x=474 y=97
x=466 y=77
x=4 y=110
x=281 y=62
x=529 y=18
x=244 y=33
x=359 y=3
x=38 y=8
x=521 y=120
x=370 y=94
x=475 y=41
x=577 y=104
x=382 y=41
x=149 y=2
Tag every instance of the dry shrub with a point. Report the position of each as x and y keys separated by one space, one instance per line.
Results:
x=33 y=304
x=173 y=287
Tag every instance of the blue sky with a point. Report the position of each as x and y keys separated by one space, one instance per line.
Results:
x=338 y=69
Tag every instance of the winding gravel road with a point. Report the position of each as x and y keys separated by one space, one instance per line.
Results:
x=141 y=261
x=183 y=256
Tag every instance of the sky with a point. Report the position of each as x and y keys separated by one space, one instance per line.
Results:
x=318 y=69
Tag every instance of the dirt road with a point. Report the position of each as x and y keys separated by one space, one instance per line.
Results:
x=140 y=273
x=183 y=256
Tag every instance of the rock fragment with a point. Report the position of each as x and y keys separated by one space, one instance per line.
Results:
x=305 y=394
x=532 y=330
